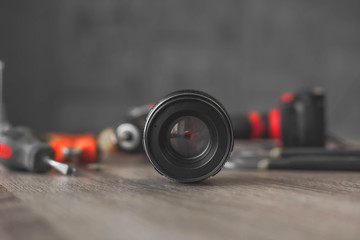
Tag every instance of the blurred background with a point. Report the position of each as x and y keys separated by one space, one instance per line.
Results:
x=79 y=65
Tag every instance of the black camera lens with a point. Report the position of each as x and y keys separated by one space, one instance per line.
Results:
x=188 y=136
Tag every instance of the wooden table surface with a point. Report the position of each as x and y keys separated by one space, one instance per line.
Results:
x=126 y=198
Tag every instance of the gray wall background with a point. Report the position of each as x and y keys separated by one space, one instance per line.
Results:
x=78 y=65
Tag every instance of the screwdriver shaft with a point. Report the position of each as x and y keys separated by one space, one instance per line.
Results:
x=61 y=167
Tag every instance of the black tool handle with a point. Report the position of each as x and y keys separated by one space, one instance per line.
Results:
x=241 y=126
x=292 y=152
x=320 y=163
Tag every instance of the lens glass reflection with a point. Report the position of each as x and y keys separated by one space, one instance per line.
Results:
x=189 y=136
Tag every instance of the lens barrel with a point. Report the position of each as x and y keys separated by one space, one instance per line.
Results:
x=188 y=136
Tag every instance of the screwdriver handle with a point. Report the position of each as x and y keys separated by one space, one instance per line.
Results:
x=81 y=147
x=20 y=150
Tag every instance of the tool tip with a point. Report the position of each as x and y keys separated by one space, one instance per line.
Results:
x=61 y=167
x=71 y=171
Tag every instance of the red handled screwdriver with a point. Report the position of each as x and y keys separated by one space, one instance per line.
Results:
x=74 y=147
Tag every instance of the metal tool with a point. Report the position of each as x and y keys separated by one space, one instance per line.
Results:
x=129 y=132
x=277 y=153
x=20 y=150
x=295 y=159
x=319 y=163
x=1 y=97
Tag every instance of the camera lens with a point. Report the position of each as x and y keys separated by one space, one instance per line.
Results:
x=188 y=136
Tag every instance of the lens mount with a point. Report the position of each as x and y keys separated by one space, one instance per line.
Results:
x=188 y=136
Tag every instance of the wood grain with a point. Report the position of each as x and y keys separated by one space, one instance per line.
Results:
x=126 y=198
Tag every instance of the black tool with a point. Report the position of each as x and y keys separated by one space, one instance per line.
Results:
x=296 y=159
x=298 y=120
x=313 y=152
x=20 y=150
x=277 y=153
x=129 y=132
x=319 y=163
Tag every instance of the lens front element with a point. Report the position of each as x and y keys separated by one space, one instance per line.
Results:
x=189 y=137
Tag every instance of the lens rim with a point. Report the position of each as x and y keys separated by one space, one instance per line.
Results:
x=181 y=104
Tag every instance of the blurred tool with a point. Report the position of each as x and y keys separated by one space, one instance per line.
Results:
x=4 y=124
x=298 y=120
x=81 y=148
x=276 y=153
x=20 y=150
x=106 y=140
x=1 y=96
x=296 y=159
x=319 y=163
x=129 y=133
